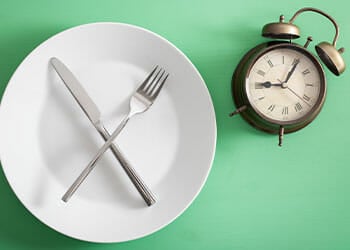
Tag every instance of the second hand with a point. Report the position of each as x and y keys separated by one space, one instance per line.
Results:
x=287 y=87
x=298 y=96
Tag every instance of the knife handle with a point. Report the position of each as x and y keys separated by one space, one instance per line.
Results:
x=130 y=171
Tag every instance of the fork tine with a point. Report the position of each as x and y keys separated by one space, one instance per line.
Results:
x=145 y=82
x=156 y=83
x=146 y=89
x=159 y=87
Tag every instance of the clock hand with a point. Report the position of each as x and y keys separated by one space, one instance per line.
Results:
x=283 y=84
x=268 y=84
x=290 y=73
x=298 y=96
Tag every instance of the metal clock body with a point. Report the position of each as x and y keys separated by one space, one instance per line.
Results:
x=279 y=85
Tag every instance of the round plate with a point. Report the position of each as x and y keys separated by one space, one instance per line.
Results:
x=46 y=140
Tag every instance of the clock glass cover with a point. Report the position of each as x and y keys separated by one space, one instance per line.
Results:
x=285 y=84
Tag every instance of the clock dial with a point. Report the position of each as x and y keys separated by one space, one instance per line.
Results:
x=284 y=85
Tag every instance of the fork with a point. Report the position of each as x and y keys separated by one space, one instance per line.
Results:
x=140 y=101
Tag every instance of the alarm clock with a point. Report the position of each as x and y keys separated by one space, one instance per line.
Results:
x=280 y=87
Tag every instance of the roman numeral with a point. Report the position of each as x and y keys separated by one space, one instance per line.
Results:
x=285 y=111
x=258 y=85
x=272 y=107
x=305 y=97
x=298 y=107
x=305 y=72
x=270 y=63
x=260 y=98
x=282 y=59
x=309 y=85
x=260 y=72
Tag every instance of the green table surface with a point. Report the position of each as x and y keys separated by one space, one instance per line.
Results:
x=258 y=196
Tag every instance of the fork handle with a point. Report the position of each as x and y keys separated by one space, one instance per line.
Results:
x=141 y=187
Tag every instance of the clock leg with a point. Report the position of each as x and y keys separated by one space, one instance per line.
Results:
x=239 y=110
x=280 y=136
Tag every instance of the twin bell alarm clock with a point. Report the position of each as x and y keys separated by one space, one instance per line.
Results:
x=279 y=86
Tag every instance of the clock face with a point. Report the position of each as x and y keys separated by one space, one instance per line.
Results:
x=285 y=84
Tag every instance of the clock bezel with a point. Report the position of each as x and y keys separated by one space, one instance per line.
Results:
x=253 y=115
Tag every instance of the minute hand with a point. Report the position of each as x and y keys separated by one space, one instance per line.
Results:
x=290 y=73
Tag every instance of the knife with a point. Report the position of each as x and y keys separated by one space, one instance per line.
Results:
x=94 y=115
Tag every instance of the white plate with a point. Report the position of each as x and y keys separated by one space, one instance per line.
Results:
x=46 y=140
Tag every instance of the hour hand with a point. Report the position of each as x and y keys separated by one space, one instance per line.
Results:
x=267 y=84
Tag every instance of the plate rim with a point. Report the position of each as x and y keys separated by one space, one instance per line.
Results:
x=208 y=97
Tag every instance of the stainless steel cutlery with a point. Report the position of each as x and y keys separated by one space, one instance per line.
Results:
x=141 y=100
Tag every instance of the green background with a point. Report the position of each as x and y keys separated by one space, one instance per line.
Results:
x=258 y=196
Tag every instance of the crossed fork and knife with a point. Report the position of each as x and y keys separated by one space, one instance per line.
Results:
x=142 y=99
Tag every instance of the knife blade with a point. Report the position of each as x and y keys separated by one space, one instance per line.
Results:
x=77 y=91
x=93 y=113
